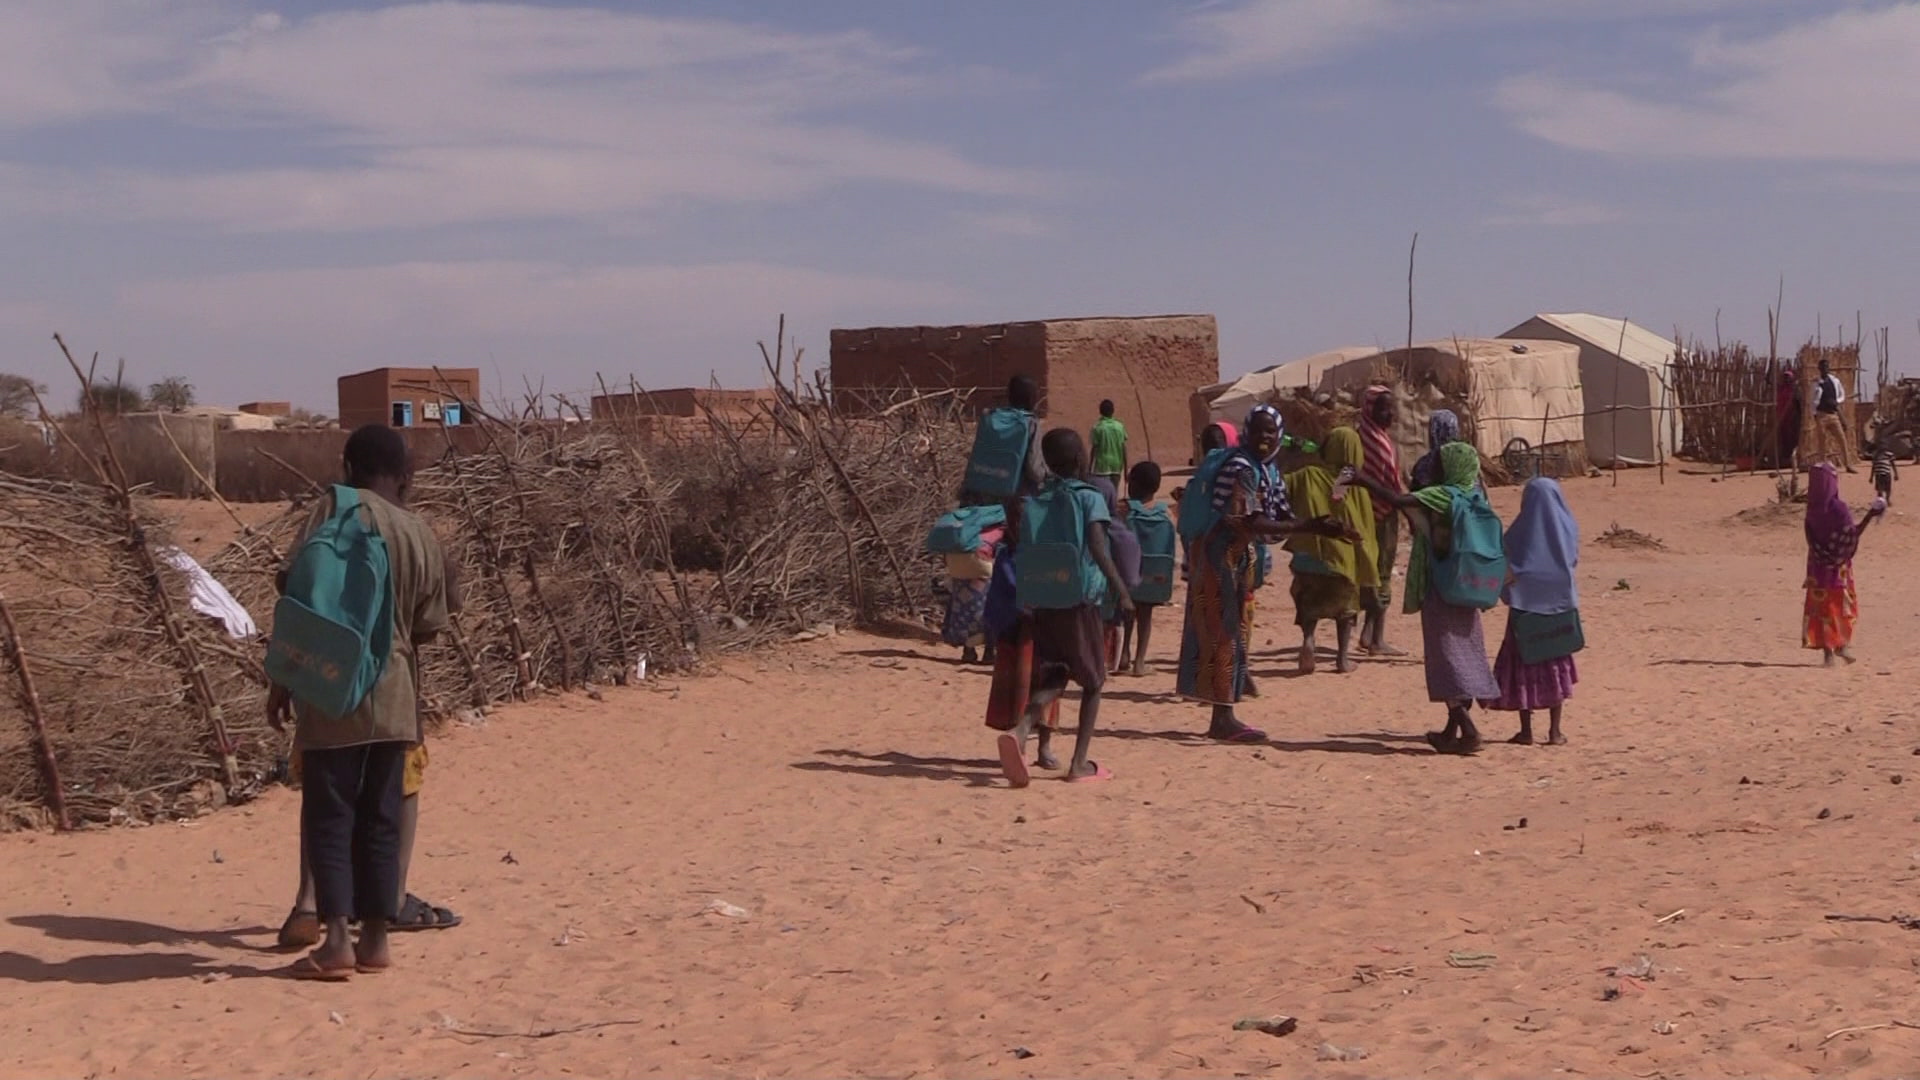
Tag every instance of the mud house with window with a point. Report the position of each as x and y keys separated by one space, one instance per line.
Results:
x=408 y=397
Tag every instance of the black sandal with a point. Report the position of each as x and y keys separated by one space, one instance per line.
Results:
x=417 y=914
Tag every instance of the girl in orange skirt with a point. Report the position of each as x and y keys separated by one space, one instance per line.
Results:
x=1833 y=537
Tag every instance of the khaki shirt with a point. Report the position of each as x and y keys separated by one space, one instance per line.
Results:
x=418 y=571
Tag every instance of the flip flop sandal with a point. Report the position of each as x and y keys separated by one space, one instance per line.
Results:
x=372 y=969
x=1244 y=735
x=1099 y=774
x=417 y=914
x=1011 y=762
x=307 y=969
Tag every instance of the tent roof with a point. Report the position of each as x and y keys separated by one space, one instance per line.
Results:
x=1305 y=371
x=1640 y=345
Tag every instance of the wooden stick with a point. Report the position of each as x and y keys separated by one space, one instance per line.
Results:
x=16 y=651
x=195 y=672
x=520 y=502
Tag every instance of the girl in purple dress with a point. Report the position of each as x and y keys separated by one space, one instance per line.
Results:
x=1543 y=550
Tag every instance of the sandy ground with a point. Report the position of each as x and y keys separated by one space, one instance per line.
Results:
x=909 y=915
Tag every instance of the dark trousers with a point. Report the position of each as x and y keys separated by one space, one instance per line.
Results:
x=350 y=817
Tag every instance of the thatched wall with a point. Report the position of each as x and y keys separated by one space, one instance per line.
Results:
x=582 y=550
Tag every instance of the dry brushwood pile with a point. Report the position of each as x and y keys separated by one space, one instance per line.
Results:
x=585 y=551
x=103 y=717
x=1624 y=539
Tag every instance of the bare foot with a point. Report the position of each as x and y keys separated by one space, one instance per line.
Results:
x=1440 y=741
x=1847 y=655
x=1309 y=663
x=1139 y=669
x=1525 y=738
x=1383 y=649
x=1467 y=745
x=373 y=955
x=1047 y=761
x=1346 y=665
x=1827 y=659
x=1556 y=739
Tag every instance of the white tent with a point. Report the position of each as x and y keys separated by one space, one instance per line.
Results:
x=1518 y=389
x=1623 y=365
x=1230 y=401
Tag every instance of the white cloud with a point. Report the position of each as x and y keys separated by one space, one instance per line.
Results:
x=1230 y=40
x=442 y=112
x=1273 y=34
x=1839 y=88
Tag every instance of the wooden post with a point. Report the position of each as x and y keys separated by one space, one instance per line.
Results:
x=199 y=688
x=16 y=651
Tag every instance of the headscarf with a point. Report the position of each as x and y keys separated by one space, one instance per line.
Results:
x=1382 y=464
x=1311 y=489
x=1832 y=537
x=1459 y=477
x=1226 y=428
x=1443 y=427
x=1543 y=550
x=1269 y=492
x=1279 y=426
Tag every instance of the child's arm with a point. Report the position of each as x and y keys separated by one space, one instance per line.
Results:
x=1103 y=558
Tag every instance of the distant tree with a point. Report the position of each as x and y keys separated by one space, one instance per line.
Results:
x=16 y=396
x=171 y=394
x=114 y=398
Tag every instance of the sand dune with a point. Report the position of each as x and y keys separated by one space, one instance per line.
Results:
x=910 y=916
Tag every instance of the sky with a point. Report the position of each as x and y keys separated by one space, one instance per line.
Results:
x=263 y=196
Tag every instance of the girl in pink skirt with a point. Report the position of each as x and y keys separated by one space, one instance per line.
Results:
x=1535 y=668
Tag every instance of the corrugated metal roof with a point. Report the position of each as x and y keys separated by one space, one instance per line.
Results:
x=1641 y=345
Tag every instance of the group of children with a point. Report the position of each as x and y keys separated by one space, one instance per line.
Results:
x=1056 y=579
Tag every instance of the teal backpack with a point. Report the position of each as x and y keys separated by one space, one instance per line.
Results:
x=1475 y=569
x=999 y=456
x=333 y=626
x=958 y=532
x=1054 y=570
x=1158 y=560
x=1196 y=502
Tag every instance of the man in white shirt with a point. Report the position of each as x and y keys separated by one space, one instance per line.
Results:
x=1830 y=434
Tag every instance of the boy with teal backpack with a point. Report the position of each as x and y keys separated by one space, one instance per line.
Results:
x=366 y=585
x=1154 y=529
x=1064 y=572
x=1006 y=461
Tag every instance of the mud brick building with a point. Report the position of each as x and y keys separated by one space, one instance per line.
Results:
x=407 y=397
x=1147 y=366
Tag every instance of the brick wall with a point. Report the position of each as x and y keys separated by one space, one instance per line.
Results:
x=1165 y=357
x=872 y=367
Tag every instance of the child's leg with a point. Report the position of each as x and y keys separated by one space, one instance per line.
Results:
x=1127 y=620
x=1554 y=737
x=1343 y=631
x=1043 y=757
x=1144 y=613
x=1525 y=738
x=1469 y=734
x=1083 y=738
x=1309 y=648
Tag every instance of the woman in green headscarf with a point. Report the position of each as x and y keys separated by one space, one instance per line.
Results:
x=1456 y=650
x=1330 y=572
